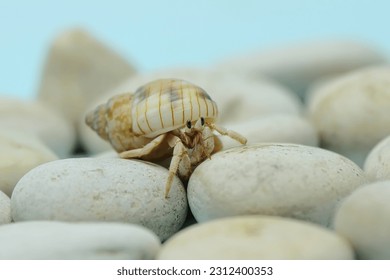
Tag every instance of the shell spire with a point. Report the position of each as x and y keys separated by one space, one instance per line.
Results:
x=96 y=120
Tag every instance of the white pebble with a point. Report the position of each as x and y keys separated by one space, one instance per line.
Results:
x=272 y=179
x=258 y=238
x=101 y=189
x=351 y=113
x=78 y=69
x=5 y=209
x=377 y=163
x=298 y=66
x=20 y=152
x=46 y=240
x=364 y=219
x=39 y=120
x=273 y=128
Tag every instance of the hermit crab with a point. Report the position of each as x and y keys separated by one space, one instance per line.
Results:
x=163 y=118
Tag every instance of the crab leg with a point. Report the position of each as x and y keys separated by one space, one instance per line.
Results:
x=179 y=152
x=145 y=150
x=232 y=134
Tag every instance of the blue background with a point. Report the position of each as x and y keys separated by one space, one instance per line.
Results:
x=157 y=34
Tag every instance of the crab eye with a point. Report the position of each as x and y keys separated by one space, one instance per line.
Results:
x=188 y=124
x=202 y=121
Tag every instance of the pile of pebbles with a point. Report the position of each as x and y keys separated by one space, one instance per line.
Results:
x=313 y=182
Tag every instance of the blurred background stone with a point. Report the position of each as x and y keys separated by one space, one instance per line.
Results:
x=20 y=152
x=298 y=66
x=39 y=119
x=351 y=112
x=78 y=69
x=50 y=240
x=5 y=209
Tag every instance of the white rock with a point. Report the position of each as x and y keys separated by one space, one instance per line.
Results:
x=5 y=209
x=272 y=179
x=256 y=237
x=351 y=113
x=364 y=219
x=377 y=163
x=46 y=240
x=39 y=119
x=166 y=162
x=101 y=189
x=20 y=152
x=298 y=66
x=273 y=128
x=78 y=69
x=238 y=98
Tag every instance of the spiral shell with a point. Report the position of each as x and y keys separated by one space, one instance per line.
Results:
x=112 y=121
x=129 y=121
x=167 y=104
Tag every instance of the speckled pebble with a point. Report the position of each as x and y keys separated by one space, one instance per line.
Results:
x=46 y=240
x=287 y=180
x=256 y=237
x=101 y=189
x=351 y=112
x=377 y=163
x=364 y=219
x=40 y=120
x=20 y=152
x=5 y=209
x=274 y=128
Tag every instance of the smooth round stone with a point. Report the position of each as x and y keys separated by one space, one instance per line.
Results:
x=351 y=113
x=47 y=240
x=287 y=180
x=238 y=98
x=113 y=154
x=78 y=69
x=5 y=209
x=273 y=128
x=38 y=119
x=101 y=189
x=258 y=238
x=20 y=152
x=377 y=163
x=364 y=219
x=298 y=66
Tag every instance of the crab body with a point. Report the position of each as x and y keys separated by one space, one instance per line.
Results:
x=167 y=117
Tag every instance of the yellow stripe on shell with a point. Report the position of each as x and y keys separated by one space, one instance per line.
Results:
x=169 y=104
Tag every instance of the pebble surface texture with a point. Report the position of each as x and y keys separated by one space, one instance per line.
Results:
x=351 y=113
x=109 y=189
x=20 y=152
x=47 y=240
x=272 y=179
x=377 y=163
x=364 y=219
x=5 y=209
x=256 y=237
x=40 y=120
x=78 y=69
